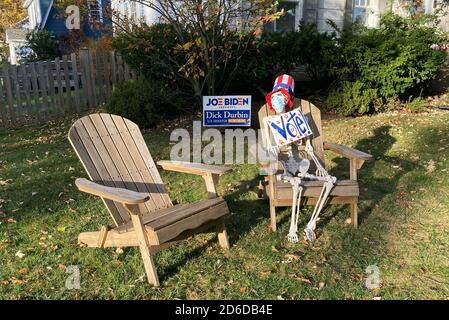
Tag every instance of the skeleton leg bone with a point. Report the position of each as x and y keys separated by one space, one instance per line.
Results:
x=325 y=192
x=297 y=194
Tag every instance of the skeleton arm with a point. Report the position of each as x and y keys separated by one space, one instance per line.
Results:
x=268 y=139
x=320 y=171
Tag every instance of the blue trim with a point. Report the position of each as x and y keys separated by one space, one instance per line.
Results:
x=284 y=86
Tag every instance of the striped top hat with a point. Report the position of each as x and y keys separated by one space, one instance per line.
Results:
x=284 y=84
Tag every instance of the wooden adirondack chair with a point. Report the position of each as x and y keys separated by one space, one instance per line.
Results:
x=345 y=191
x=124 y=175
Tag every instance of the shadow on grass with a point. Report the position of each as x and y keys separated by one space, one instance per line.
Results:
x=245 y=215
x=372 y=187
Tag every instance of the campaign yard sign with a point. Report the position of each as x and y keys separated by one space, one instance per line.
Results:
x=289 y=127
x=233 y=111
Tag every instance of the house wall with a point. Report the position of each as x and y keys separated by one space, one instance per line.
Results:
x=56 y=24
x=319 y=11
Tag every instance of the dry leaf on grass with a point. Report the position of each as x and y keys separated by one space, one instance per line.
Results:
x=301 y=279
x=23 y=271
x=5 y=182
x=265 y=273
x=430 y=167
x=291 y=256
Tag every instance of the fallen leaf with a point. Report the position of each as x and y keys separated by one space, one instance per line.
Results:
x=5 y=182
x=23 y=271
x=291 y=256
x=321 y=285
x=273 y=248
x=16 y=281
x=430 y=167
x=242 y=289
x=31 y=162
x=305 y=280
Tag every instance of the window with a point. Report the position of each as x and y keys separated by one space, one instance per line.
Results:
x=133 y=16
x=361 y=10
x=289 y=21
x=95 y=11
x=126 y=9
x=142 y=11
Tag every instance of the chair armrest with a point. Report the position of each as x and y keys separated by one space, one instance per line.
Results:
x=116 y=194
x=347 y=152
x=192 y=167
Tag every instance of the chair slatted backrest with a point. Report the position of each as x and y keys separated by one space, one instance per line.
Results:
x=313 y=115
x=114 y=153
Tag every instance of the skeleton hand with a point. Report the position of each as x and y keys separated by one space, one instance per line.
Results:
x=321 y=172
x=274 y=150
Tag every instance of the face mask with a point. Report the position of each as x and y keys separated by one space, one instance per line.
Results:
x=278 y=102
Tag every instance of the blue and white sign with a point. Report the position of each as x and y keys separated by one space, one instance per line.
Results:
x=289 y=127
x=229 y=111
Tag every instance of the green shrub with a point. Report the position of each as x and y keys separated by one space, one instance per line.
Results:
x=352 y=98
x=150 y=51
x=143 y=101
x=154 y=51
x=275 y=53
x=395 y=60
x=40 y=46
x=160 y=52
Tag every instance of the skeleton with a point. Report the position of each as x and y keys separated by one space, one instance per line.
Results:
x=295 y=172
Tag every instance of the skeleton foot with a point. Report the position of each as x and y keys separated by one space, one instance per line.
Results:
x=292 y=237
x=309 y=234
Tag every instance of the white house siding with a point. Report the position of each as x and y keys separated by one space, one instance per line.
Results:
x=151 y=16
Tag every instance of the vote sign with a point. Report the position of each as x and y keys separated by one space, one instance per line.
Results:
x=289 y=127
x=233 y=111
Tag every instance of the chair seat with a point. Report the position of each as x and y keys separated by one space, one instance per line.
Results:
x=312 y=189
x=167 y=224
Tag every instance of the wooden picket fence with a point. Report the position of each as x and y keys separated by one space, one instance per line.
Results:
x=40 y=91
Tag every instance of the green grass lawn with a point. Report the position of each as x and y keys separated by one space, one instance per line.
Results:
x=404 y=223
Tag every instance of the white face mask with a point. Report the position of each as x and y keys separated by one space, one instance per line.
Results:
x=278 y=102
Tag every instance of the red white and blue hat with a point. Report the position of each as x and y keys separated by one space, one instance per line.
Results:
x=285 y=84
